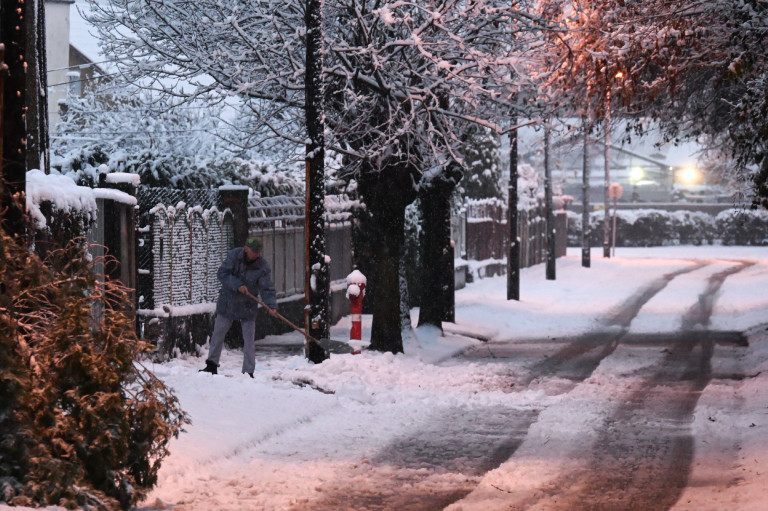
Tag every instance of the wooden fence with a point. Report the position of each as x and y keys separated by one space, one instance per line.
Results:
x=486 y=233
x=279 y=223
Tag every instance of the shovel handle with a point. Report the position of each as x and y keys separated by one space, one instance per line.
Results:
x=286 y=320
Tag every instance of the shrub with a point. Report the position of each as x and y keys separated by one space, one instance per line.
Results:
x=84 y=423
x=648 y=227
x=574 y=228
x=692 y=227
x=743 y=227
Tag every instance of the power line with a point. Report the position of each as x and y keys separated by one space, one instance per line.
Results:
x=88 y=64
x=83 y=80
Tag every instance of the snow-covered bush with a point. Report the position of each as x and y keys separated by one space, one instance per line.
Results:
x=692 y=227
x=59 y=209
x=650 y=227
x=743 y=227
x=644 y=228
x=413 y=253
x=84 y=423
x=166 y=145
x=482 y=164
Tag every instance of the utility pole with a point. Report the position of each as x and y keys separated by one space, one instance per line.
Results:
x=606 y=193
x=607 y=183
x=586 y=230
x=513 y=257
x=549 y=207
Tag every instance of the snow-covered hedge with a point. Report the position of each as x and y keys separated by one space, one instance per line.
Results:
x=61 y=210
x=743 y=227
x=54 y=193
x=652 y=227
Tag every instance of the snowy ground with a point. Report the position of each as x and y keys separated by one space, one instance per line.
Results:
x=476 y=425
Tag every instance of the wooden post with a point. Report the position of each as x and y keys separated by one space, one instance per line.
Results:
x=236 y=199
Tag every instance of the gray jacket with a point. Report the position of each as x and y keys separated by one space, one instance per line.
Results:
x=237 y=270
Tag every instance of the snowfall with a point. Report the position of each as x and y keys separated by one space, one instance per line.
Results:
x=300 y=433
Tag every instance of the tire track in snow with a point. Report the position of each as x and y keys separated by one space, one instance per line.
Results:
x=700 y=313
x=409 y=474
x=432 y=467
x=645 y=449
x=578 y=359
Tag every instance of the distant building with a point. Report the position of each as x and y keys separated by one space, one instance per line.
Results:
x=648 y=170
x=71 y=54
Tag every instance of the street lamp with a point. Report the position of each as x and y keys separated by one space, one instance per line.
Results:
x=606 y=193
x=688 y=176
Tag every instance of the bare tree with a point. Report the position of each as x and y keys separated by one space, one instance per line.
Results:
x=400 y=80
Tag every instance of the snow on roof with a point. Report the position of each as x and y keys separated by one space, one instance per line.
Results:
x=82 y=38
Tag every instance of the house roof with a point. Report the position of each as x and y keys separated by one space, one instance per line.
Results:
x=82 y=38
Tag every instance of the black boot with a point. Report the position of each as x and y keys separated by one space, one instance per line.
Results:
x=210 y=367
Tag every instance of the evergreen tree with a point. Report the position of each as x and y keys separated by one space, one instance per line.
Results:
x=482 y=168
x=84 y=422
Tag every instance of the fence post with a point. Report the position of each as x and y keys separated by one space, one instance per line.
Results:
x=120 y=230
x=236 y=199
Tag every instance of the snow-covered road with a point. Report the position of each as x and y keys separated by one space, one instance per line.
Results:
x=628 y=385
x=624 y=386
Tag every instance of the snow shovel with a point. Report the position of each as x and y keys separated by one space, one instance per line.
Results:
x=316 y=350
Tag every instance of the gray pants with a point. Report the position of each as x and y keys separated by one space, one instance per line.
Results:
x=220 y=329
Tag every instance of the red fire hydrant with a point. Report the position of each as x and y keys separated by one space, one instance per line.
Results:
x=355 y=292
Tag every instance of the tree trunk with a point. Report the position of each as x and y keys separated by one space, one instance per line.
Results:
x=386 y=200
x=317 y=271
x=38 y=152
x=437 y=257
x=3 y=76
x=405 y=299
x=13 y=35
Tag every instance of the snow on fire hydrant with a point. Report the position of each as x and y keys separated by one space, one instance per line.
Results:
x=355 y=292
